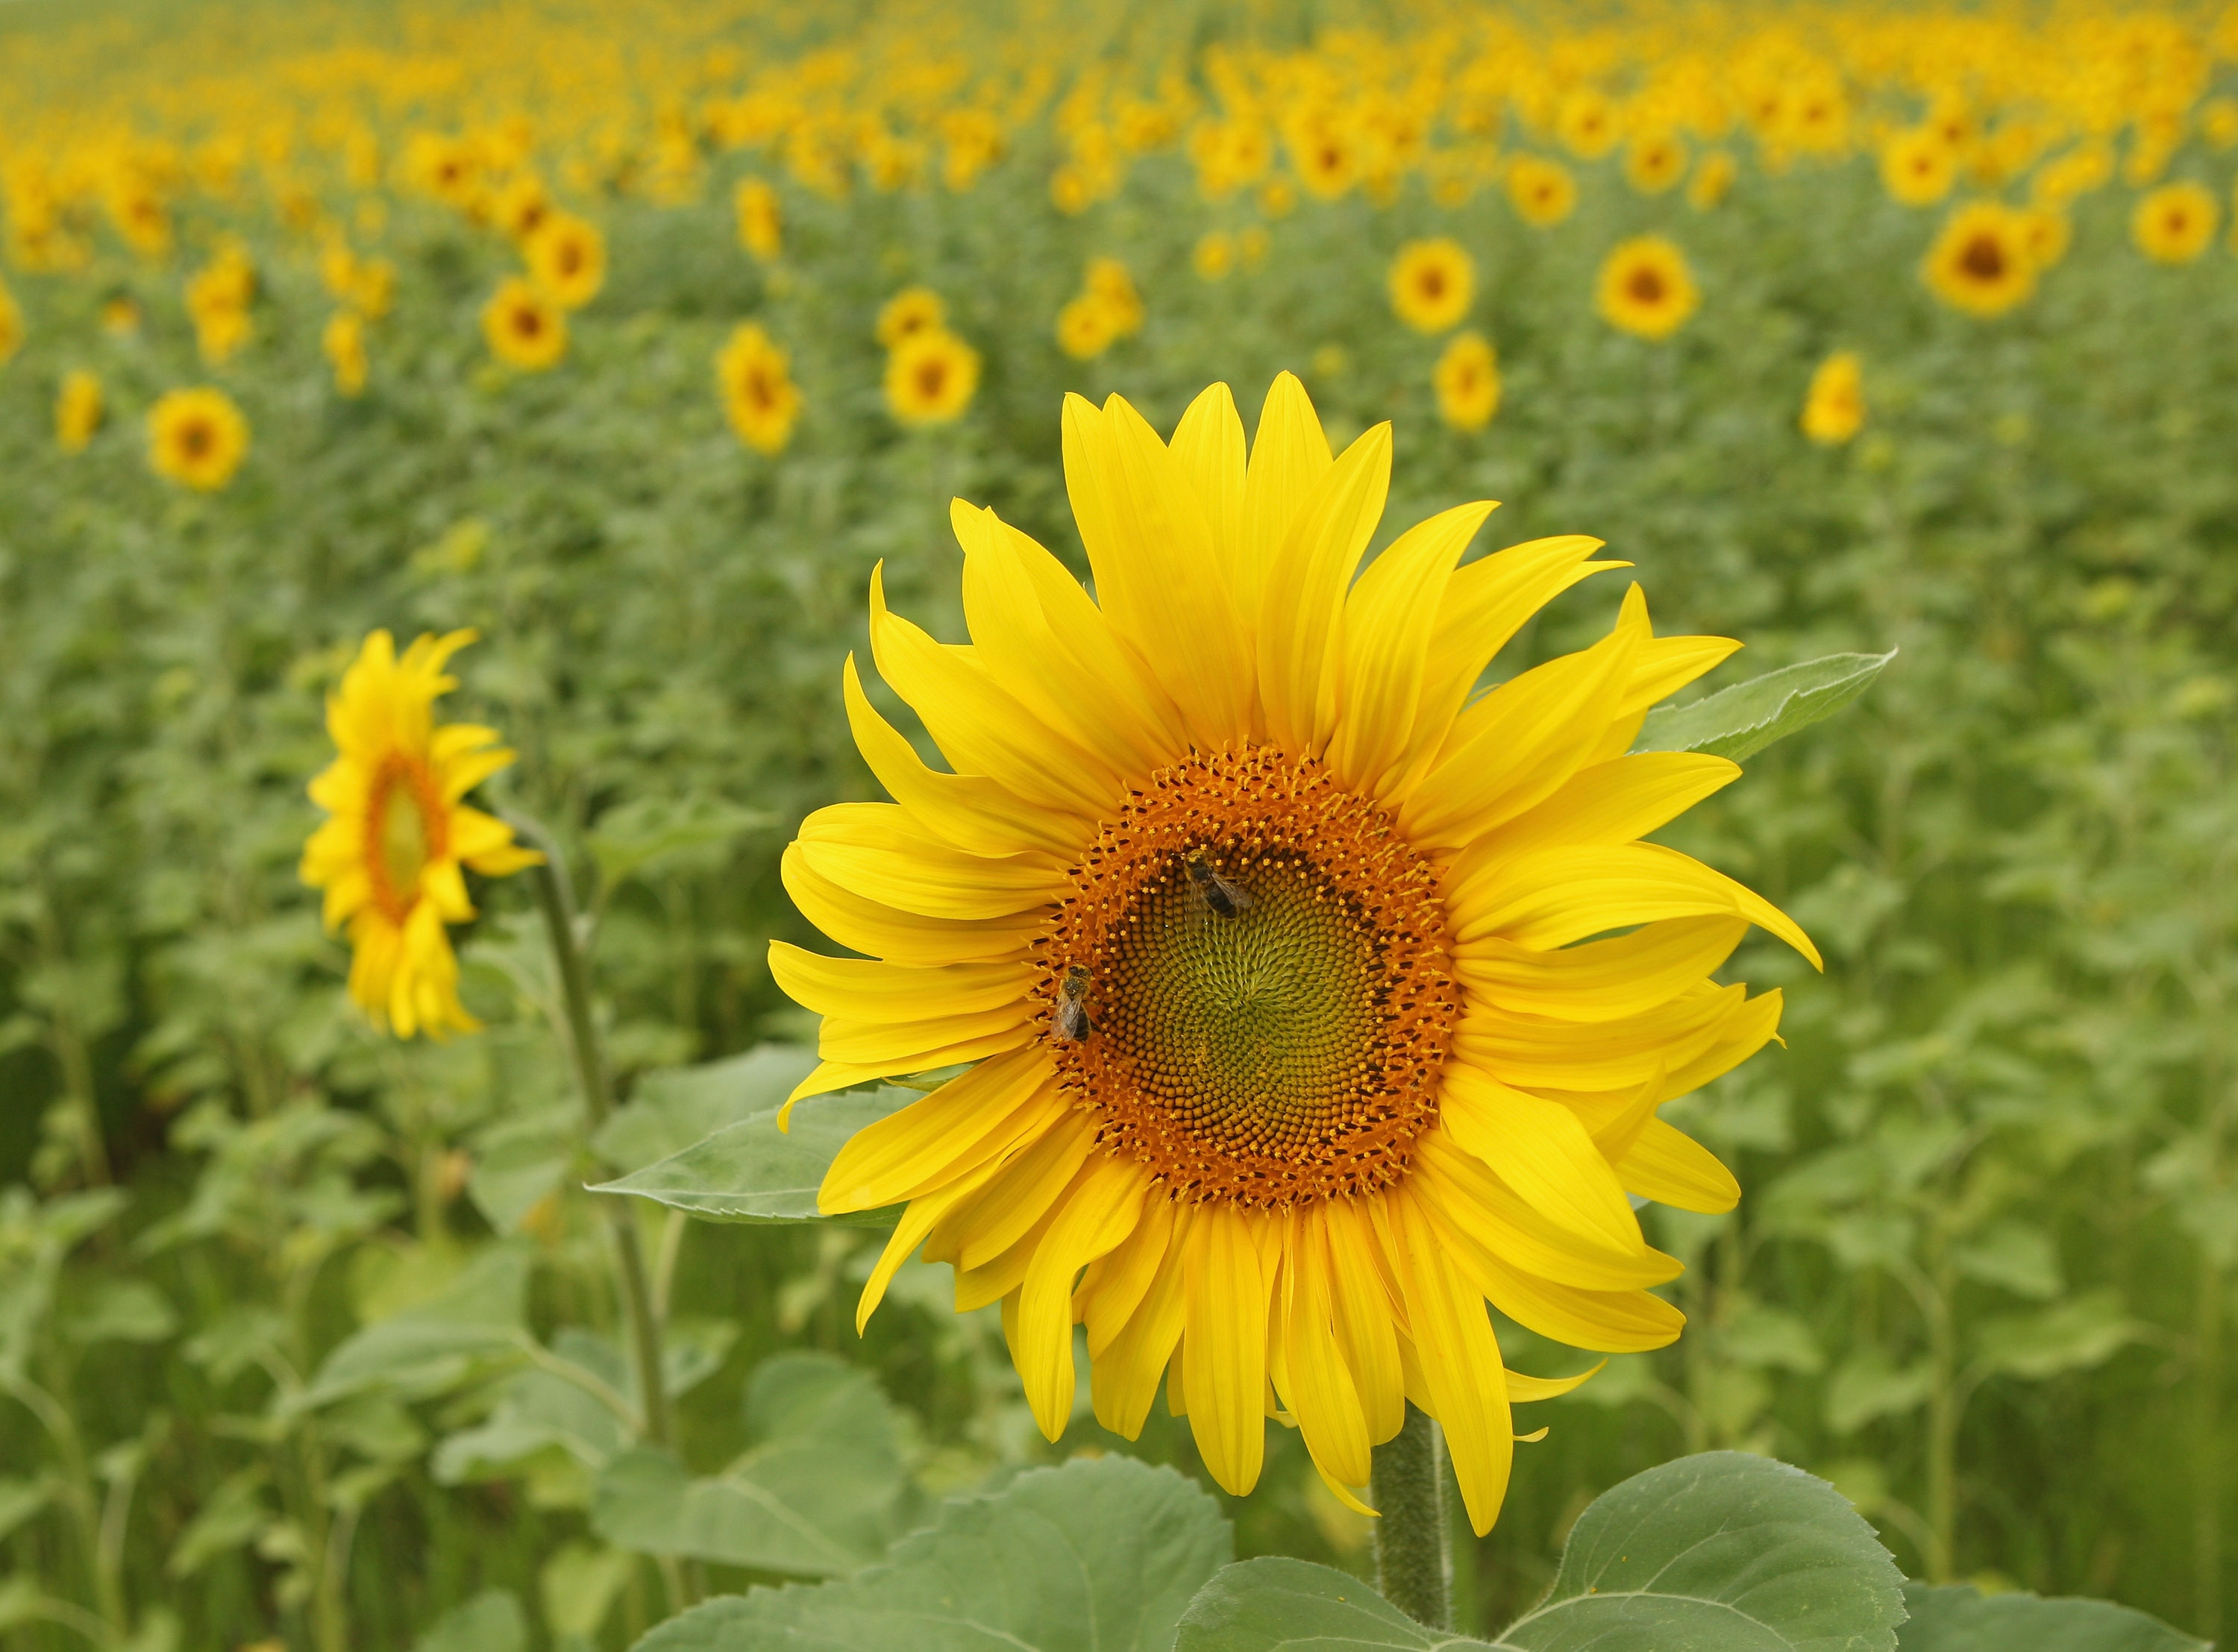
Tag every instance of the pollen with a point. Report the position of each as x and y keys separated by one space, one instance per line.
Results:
x=1288 y=1051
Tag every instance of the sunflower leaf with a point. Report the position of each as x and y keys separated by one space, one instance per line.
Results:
x=1958 y=1620
x=1741 y=721
x=752 y=1172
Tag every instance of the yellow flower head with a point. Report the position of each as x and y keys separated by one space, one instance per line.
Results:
x=196 y=438
x=1712 y=181
x=2045 y=232
x=1214 y=255
x=1324 y=157
x=1980 y=262
x=397 y=833
x=1542 y=191
x=1085 y=328
x=568 y=258
x=343 y=341
x=1918 y=167
x=78 y=410
x=1270 y=946
x=1586 y=122
x=521 y=205
x=1467 y=382
x=931 y=377
x=1646 y=288
x=761 y=226
x=912 y=310
x=524 y=328
x=1835 y=409
x=1432 y=283
x=1108 y=282
x=759 y=397
x=1654 y=161
x=2174 y=223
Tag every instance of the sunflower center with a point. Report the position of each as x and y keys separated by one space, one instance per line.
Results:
x=1268 y=998
x=1648 y=286
x=401 y=822
x=194 y=439
x=1983 y=259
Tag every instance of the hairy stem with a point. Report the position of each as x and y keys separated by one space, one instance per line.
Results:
x=1413 y=1570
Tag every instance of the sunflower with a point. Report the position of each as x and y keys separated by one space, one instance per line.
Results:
x=1432 y=283
x=755 y=377
x=1918 y=167
x=388 y=856
x=1467 y=382
x=1586 y=122
x=1214 y=256
x=2174 y=223
x=1654 y=161
x=521 y=205
x=78 y=410
x=1980 y=262
x=197 y=438
x=912 y=310
x=1834 y=409
x=1108 y=282
x=343 y=341
x=1712 y=181
x=761 y=226
x=1272 y=950
x=568 y=258
x=931 y=377
x=1542 y=191
x=1084 y=328
x=524 y=328
x=1646 y=288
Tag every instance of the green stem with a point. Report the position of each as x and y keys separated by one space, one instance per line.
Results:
x=1407 y=1480
x=2206 y=1451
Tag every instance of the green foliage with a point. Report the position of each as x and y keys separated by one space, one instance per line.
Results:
x=1959 y=1619
x=1740 y=721
x=752 y=1172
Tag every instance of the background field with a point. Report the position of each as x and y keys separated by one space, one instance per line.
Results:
x=1982 y=1272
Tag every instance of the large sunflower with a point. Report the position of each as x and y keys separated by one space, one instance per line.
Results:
x=1276 y=952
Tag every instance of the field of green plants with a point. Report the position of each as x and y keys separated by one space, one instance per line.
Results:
x=309 y=1334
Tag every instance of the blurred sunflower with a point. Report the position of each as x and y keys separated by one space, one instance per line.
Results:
x=1108 y=282
x=1834 y=409
x=78 y=410
x=11 y=323
x=1542 y=191
x=568 y=258
x=1271 y=948
x=1467 y=382
x=1712 y=181
x=196 y=438
x=1918 y=167
x=930 y=376
x=520 y=207
x=2045 y=232
x=755 y=377
x=1980 y=262
x=343 y=341
x=761 y=225
x=1432 y=283
x=1654 y=161
x=2174 y=223
x=912 y=310
x=524 y=328
x=1586 y=122
x=1084 y=328
x=120 y=316
x=1646 y=288
x=1214 y=256
x=388 y=856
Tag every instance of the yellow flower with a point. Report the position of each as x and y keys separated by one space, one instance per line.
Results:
x=1085 y=328
x=2174 y=223
x=1712 y=181
x=2045 y=232
x=914 y=310
x=2218 y=121
x=931 y=377
x=344 y=342
x=1467 y=382
x=1586 y=124
x=1108 y=283
x=568 y=258
x=1214 y=256
x=78 y=410
x=1646 y=288
x=1432 y=283
x=1918 y=167
x=12 y=324
x=398 y=831
x=524 y=328
x=1654 y=161
x=761 y=226
x=1980 y=262
x=196 y=438
x=1541 y=190
x=1322 y=155
x=1835 y=409
x=755 y=378
x=1264 y=946
x=521 y=205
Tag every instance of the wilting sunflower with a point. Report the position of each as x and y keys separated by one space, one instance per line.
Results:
x=1467 y=382
x=524 y=328
x=196 y=437
x=78 y=410
x=1646 y=288
x=761 y=224
x=1432 y=283
x=911 y=311
x=1275 y=952
x=759 y=397
x=1834 y=410
x=2174 y=223
x=568 y=258
x=1980 y=262
x=931 y=377
x=388 y=856
x=1542 y=191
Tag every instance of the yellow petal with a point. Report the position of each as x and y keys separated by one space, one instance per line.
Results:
x=1127 y=1273
x=879 y=849
x=1225 y=1295
x=1097 y=1211
x=858 y=921
x=1541 y=1151
x=1362 y=1308
x=1486 y=604
x=1125 y=1379
x=1461 y=1361
x=1208 y=446
x=969 y=1121
x=1467 y=1193
x=1753 y=1025
x=917 y=1222
x=1671 y=1167
x=1533 y=1054
x=1612 y=1322
x=1522 y=1389
x=1611 y=803
x=1314 y=1381
x=1301 y=609
x=1598 y=981
x=1024 y=1191
x=1289 y=457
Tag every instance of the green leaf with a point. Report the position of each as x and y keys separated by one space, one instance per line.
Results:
x=474 y=1322
x=578 y=1584
x=20 y=1500
x=1958 y=1620
x=1263 y=1605
x=1098 y=1555
x=1867 y=1387
x=520 y=1161
x=231 y=1518
x=2018 y=1257
x=751 y=1171
x=1741 y=721
x=675 y=1107
x=821 y=1493
x=119 y=1311
x=492 y=1622
x=2077 y=1334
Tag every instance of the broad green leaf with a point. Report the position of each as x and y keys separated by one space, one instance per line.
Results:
x=1959 y=1619
x=752 y=1172
x=652 y=834
x=492 y=1622
x=474 y=1322
x=675 y=1107
x=1271 y=1604
x=521 y=1160
x=578 y=1585
x=2085 y=1332
x=118 y=1310
x=822 y=1492
x=1867 y=1387
x=540 y=1410
x=2018 y=1257
x=1098 y=1555
x=1741 y=721
x=231 y=1518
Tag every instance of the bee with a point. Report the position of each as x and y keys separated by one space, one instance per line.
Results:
x=1072 y=1023
x=1227 y=900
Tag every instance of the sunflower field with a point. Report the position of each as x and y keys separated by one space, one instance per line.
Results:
x=496 y=493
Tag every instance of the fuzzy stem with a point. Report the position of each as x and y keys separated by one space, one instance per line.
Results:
x=1413 y=1570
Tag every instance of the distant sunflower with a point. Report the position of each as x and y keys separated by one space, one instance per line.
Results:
x=1980 y=262
x=1270 y=944
x=1918 y=167
x=196 y=438
x=761 y=224
x=755 y=378
x=1654 y=161
x=388 y=856
x=1587 y=124
x=1646 y=288
x=78 y=411
x=520 y=207
x=1467 y=382
x=2045 y=232
x=912 y=310
x=524 y=328
x=1834 y=410
x=1084 y=328
x=1106 y=282
x=1712 y=181
x=1432 y=283
x=1542 y=191
x=568 y=259
x=343 y=341
x=2174 y=223
x=931 y=377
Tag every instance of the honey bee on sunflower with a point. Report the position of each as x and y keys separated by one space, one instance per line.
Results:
x=1312 y=1001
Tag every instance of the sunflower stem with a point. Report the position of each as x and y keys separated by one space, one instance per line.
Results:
x=1414 y=1568
x=558 y=901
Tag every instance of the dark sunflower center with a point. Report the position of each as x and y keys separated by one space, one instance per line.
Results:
x=1983 y=259
x=1648 y=286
